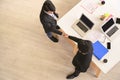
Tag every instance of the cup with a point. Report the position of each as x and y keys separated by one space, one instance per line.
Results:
x=105 y=60
x=102 y=2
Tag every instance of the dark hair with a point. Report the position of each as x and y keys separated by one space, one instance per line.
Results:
x=48 y=6
x=84 y=48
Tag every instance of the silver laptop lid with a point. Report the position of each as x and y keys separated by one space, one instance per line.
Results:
x=86 y=21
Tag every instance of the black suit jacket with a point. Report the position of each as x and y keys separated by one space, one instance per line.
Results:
x=81 y=61
x=49 y=23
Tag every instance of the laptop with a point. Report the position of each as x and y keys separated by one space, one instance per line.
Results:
x=110 y=29
x=82 y=25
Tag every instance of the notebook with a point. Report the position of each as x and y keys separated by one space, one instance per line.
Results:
x=99 y=50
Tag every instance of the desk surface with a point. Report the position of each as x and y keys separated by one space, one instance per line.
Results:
x=111 y=6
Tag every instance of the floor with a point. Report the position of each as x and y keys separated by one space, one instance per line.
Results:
x=25 y=51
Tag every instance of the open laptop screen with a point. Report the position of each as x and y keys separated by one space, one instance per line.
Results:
x=86 y=21
x=108 y=24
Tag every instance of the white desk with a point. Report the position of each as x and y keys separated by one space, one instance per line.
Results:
x=111 y=6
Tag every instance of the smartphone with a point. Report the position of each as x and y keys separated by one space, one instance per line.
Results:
x=118 y=20
x=108 y=45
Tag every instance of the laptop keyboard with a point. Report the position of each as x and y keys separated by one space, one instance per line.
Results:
x=82 y=27
x=112 y=31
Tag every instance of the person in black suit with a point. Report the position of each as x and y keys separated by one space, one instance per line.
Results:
x=82 y=59
x=48 y=18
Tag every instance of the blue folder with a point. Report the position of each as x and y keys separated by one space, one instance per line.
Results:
x=99 y=50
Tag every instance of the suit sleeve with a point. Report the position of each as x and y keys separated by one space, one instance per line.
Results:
x=74 y=38
x=52 y=28
x=56 y=31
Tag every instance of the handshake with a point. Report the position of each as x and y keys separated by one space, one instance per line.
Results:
x=65 y=35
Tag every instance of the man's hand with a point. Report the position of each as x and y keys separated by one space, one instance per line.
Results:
x=65 y=35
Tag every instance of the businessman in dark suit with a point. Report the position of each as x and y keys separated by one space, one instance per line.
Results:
x=48 y=18
x=82 y=59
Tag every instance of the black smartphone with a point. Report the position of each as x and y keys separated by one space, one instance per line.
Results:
x=118 y=20
x=108 y=45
